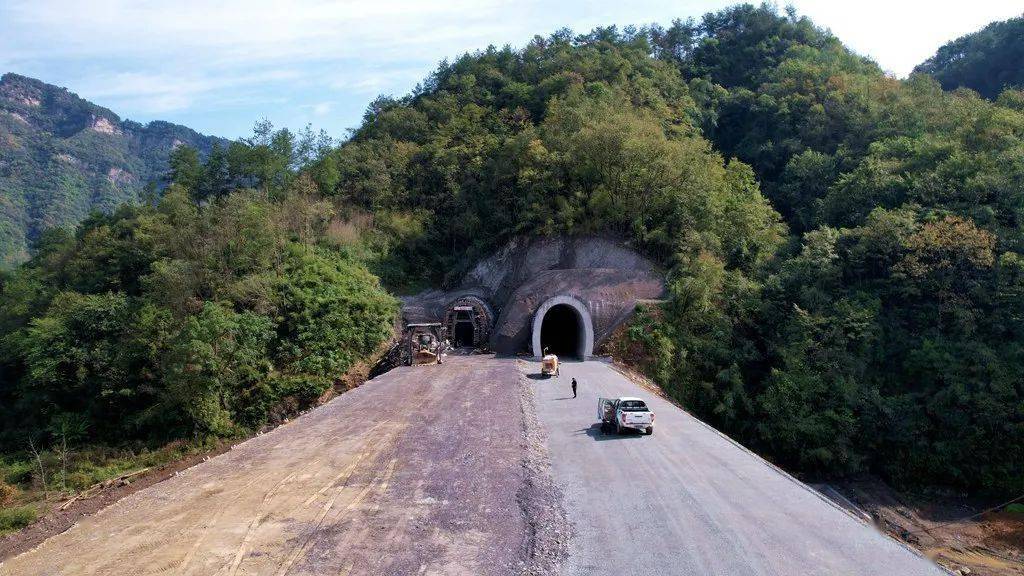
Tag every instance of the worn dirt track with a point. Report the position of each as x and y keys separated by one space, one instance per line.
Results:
x=421 y=471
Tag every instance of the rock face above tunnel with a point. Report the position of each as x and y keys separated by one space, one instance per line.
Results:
x=605 y=276
x=522 y=259
x=609 y=294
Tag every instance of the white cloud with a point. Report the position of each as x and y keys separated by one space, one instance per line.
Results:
x=901 y=34
x=224 y=63
x=374 y=81
x=166 y=92
x=158 y=57
x=321 y=108
x=238 y=30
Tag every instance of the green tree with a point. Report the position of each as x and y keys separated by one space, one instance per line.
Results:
x=986 y=61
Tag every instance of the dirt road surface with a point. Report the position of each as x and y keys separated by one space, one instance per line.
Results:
x=425 y=470
x=686 y=500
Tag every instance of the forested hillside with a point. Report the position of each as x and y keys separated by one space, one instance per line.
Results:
x=62 y=157
x=880 y=329
x=987 y=61
x=887 y=334
x=177 y=319
x=843 y=250
x=875 y=326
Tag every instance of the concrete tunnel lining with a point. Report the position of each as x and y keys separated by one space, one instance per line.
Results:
x=585 y=323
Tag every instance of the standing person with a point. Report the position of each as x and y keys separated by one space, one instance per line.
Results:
x=573 y=387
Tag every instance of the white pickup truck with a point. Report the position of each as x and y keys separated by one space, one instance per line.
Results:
x=625 y=413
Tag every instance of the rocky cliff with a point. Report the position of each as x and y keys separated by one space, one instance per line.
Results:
x=62 y=157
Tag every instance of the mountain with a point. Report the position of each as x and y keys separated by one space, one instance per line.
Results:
x=986 y=61
x=844 y=250
x=62 y=157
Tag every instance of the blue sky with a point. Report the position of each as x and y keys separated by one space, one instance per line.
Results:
x=220 y=66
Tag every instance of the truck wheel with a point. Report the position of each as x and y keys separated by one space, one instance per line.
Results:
x=650 y=430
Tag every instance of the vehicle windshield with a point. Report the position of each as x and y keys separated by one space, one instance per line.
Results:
x=633 y=406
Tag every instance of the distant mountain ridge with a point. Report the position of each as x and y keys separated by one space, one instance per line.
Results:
x=62 y=157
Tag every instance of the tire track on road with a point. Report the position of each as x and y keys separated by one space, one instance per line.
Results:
x=379 y=477
x=411 y=472
x=260 y=515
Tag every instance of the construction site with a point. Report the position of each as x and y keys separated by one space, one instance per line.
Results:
x=563 y=295
x=481 y=464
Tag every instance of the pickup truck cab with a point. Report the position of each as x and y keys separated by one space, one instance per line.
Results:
x=625 y=413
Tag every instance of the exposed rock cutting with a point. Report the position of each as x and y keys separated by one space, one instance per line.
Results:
x=606 y=277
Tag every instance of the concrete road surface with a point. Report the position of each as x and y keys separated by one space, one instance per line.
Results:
x=687 y=500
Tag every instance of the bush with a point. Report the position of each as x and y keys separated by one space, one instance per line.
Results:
x=7 y=493
x=1015 y=509
x=12 y=519
x=16 y=472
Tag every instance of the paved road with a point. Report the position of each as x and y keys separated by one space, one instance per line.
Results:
x=688 y=501
x=421 y=471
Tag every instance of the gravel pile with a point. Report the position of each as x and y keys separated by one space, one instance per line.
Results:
x=539 y=499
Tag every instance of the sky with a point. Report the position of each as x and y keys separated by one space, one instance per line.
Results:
x=219 y=66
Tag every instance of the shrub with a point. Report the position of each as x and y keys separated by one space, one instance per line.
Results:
x=7 y=493
x=1015 y=509
x=12 y=519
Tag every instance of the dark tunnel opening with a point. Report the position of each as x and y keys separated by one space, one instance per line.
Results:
x=464 y=334
x=561 y=332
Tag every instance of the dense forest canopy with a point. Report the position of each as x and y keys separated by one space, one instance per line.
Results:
x=180 y=319
x=843 y=249
x=987 y=61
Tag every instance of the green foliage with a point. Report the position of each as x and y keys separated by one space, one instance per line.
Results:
x=216 y=367
x=191 y=317
x=185 y=167
x=986 y=61
x=13 y=519
x=332 y=312
x=570 y=135
x=75 y=361
x=884 y=335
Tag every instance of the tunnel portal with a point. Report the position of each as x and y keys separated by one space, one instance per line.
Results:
x=501 y=303
x=562 y=326
x=560 y=331
x=469 y=320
